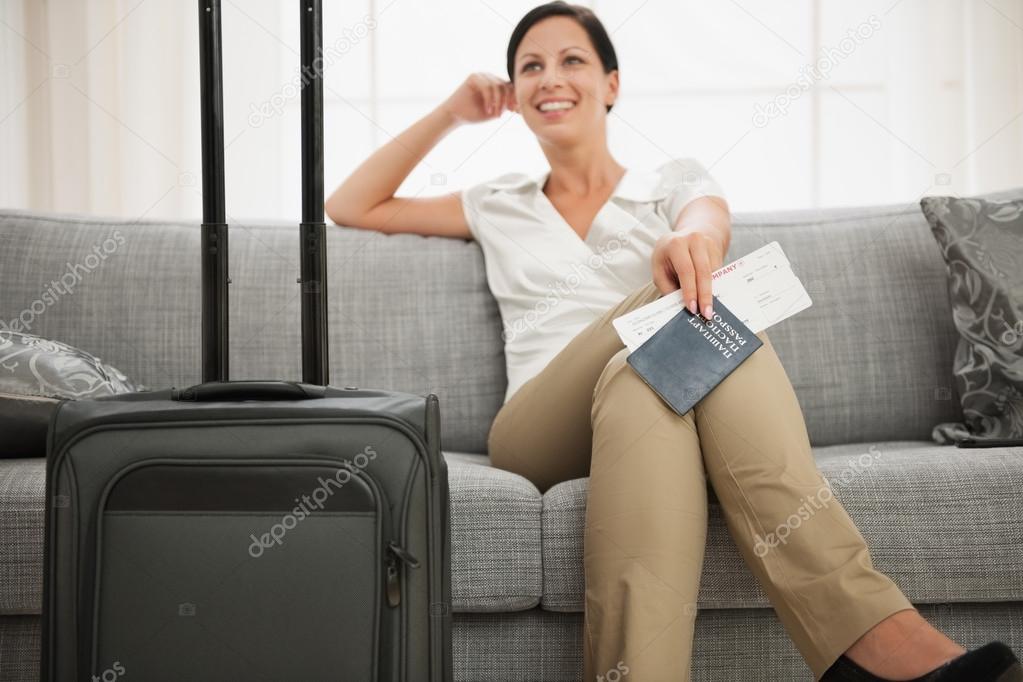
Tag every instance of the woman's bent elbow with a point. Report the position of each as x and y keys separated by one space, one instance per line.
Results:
x=339 y=217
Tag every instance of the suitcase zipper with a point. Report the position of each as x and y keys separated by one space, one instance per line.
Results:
x=393 y=550
x=394 y=553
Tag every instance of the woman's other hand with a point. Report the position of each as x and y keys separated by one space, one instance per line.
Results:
x=481 y=97
x=686 y=260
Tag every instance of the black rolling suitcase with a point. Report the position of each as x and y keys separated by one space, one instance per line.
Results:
x=249 y=530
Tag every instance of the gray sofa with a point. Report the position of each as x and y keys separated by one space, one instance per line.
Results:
x=870 y=361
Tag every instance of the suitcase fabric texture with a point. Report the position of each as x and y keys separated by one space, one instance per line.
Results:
x=249 y=530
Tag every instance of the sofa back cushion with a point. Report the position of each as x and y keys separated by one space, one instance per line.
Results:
x=405 y=312
x=870 y=360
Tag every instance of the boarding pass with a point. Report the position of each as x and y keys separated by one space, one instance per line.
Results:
x=759 y=288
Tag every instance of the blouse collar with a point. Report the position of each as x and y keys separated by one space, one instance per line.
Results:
x=635 y=185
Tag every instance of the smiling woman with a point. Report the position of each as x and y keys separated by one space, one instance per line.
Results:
x=566 y=252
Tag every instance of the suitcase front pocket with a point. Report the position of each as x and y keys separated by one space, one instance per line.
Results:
x=259 y=570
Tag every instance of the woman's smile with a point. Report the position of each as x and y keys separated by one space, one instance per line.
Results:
x=555 y=109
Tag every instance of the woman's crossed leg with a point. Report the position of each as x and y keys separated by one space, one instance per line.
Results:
x=587 y=413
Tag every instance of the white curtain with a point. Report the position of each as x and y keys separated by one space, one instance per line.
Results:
x=99 y=109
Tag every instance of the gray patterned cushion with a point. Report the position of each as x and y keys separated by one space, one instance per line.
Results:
x=495 y=537
x=35 y=375
x=982 y=243
x=943 y=522
x=22 y=491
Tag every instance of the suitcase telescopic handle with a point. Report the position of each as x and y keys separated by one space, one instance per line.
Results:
x=312 y=229
x=213 y=391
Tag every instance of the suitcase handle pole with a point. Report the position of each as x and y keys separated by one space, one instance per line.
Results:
x=214 y=221
x=312 y=231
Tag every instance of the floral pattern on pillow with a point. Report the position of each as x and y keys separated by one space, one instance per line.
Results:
x=982 y=243
x=34 y=366
x=35 y=375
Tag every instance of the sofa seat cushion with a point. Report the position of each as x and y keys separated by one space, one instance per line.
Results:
x=495 y=536
x=22 y=488
x=946 y=524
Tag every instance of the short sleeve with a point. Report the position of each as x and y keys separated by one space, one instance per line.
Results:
x=480 y=203
x=685 y=179
x=471 y=197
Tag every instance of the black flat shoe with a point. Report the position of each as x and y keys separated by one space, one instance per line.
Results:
x=993 y=662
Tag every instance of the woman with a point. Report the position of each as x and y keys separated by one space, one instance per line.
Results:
x=619 y=239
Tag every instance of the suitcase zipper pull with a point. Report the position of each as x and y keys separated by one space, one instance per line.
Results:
x=395 y=552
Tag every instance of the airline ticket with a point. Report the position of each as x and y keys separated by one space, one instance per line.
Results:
x=760 y=288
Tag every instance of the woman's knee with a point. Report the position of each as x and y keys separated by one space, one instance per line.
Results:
x=498 y=447
x=512 y=450
x=620 y=390
x=620 y=385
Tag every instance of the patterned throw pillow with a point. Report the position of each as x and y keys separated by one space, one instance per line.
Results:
x=35 y=375
x=982 y=242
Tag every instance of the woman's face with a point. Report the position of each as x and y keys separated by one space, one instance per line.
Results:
x=556 y=62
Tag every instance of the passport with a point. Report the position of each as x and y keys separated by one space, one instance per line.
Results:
x=690 y=355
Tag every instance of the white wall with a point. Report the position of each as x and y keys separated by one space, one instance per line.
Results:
x=99 y=106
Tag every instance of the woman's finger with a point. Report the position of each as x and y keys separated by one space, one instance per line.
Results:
x=480 y=88
x=485 y=94
x=498 y=98
x=663 y=275
x=698 y=251
x=509 y=93
x=497 y=90
x=682 y=263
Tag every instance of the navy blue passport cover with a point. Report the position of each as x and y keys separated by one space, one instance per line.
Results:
x=690 y=355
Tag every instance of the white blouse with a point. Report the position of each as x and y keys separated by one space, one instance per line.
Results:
x=548 y=282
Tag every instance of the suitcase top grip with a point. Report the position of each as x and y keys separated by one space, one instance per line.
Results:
x=212 y=391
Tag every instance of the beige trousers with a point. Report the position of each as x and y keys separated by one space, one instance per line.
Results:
x=589 y=414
